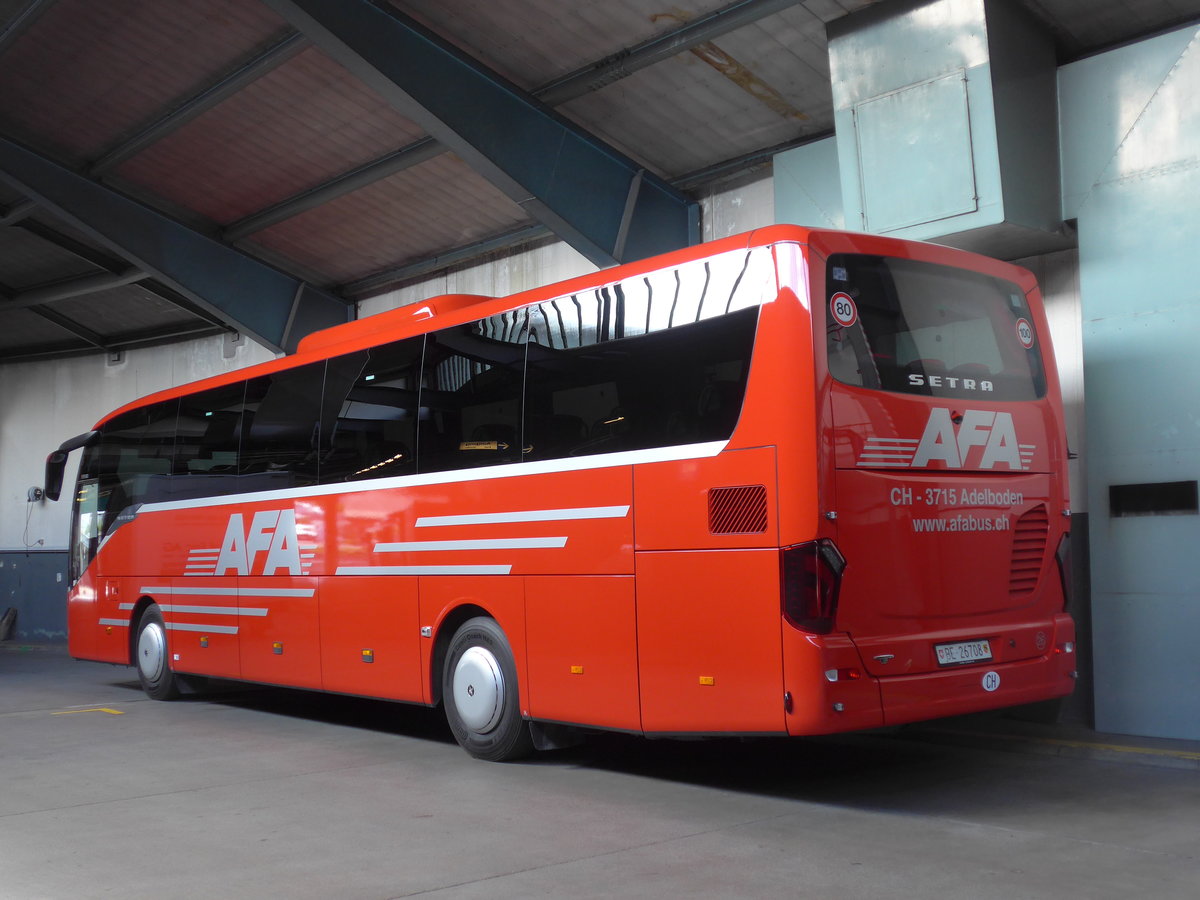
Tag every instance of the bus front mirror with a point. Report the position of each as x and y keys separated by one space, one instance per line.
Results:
x=56 y=463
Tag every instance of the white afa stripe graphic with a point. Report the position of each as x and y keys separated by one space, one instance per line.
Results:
x=971 y=439
x=483 y=544
x=527 y=515
x=425 y=570
x=209 y=629
x=550 y=542
x=888 y=452
x=228 y=591
x=213 y=610
x=204 y=562
x=182 y=609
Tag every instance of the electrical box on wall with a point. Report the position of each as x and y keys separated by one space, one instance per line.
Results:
x=947 y=125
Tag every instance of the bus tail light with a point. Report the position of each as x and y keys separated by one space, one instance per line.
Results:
x=810 y=578
x=1063 y=556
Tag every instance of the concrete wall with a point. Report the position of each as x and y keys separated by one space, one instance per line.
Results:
x=1131 y=172
x=42 y=404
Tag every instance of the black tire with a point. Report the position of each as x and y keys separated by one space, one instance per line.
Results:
x=151 y=657
x=479 y=689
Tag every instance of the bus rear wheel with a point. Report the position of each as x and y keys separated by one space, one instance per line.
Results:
x=151 y=658
x=479 y=689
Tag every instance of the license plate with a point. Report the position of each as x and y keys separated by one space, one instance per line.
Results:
x=963 y=652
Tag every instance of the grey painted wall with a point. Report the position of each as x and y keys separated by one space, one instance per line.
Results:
x=34 y=583
x=1131 y=161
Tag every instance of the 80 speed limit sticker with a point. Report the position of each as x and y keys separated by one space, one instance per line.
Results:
x=843 y=310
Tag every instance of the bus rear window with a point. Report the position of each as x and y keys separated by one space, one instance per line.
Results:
x=931 y=330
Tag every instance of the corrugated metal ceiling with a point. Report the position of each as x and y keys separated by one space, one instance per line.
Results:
x=216 y=113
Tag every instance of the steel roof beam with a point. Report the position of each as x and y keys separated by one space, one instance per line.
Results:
x=128 y=342
x=67 y=325
x=623 y=63
x=71 y=288
x=390 y=278
x=346 y=183
x=575 y=84
x=111 y=264
x=594 y=197
x=19 y=23
x=244 y=75
x=17 y=212
x=275 y=308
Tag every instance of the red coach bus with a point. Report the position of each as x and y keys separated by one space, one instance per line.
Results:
x=791 y=482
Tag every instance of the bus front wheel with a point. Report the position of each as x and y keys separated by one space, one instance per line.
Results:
x=479 y=688
x=151 y=659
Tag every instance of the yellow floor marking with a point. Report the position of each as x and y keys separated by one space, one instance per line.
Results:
x=1115 y=748
x=1122 y=748
x=103 y=709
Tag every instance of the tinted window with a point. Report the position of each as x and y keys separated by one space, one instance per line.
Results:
x=919 y=328
x=653 y=361
x=471 y=394
x=281 y=436
x=131 y=461
x=375 y=433
x=206 y=443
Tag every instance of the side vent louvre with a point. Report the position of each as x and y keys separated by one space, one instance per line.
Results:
x=737 y=510
x=1029 y=551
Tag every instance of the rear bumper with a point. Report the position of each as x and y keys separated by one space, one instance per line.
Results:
x=982 y=686
x=934 y=695
x=821 y=704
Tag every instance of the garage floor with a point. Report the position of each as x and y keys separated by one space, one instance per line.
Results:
x=272 y=793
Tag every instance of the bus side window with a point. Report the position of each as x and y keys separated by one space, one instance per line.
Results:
x=281 y=434
x=636 y=366
x=686 y=384
x=206 y=442
x=373 y=396
x=471 y=395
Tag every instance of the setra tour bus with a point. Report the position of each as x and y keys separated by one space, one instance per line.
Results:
x=792 y=482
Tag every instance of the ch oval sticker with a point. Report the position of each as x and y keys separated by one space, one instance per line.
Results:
x=991 y=681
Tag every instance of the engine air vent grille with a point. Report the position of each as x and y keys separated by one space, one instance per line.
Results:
x=1029 y=551
x=737 y=510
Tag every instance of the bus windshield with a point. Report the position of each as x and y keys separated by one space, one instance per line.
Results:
x=919 y=328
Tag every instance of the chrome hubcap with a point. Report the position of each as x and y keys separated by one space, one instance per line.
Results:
x=478 y=687
x=152 y=652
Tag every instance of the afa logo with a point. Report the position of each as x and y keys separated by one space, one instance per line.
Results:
x=978 y=439
x=272 y=533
